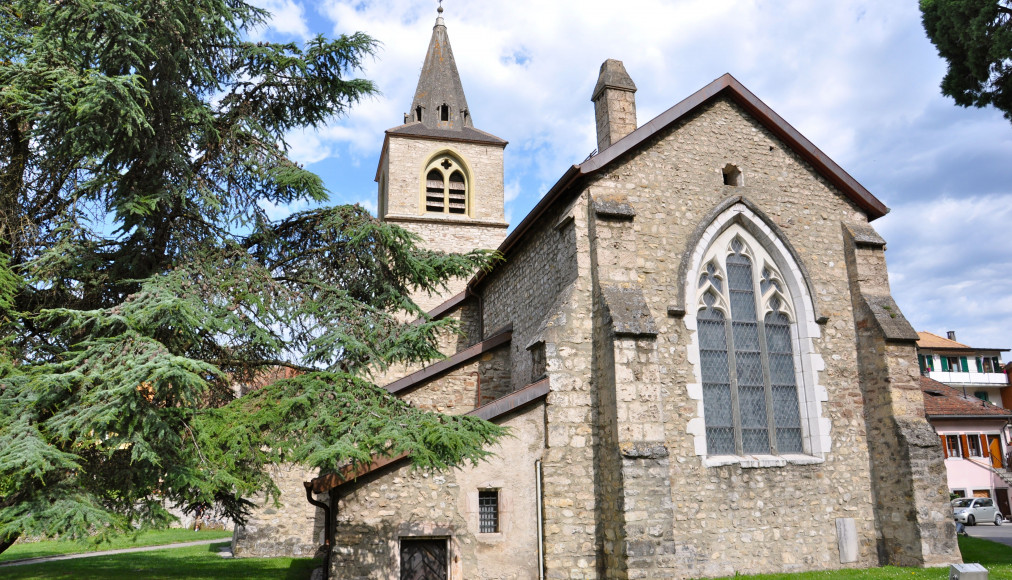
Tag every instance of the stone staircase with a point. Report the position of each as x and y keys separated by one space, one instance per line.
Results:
x=1003 y=472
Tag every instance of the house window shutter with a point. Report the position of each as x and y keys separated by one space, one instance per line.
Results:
x=945 y=448
x=962 y=362
x=920 y=361
x=965 y=446
x=945 y=364
x=980 y=365
x=983 y=446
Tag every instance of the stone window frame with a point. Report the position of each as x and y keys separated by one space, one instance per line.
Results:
x=505 y=512
x=435 y=162
x=812 y=395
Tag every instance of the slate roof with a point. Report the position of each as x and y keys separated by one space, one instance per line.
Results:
x=439 y=84
x=468 y=134
x=941 y=400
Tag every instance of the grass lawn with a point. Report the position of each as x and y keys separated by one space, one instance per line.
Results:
x=997 y=558
x=197 y=563
x=203 y=562
x=148 y=538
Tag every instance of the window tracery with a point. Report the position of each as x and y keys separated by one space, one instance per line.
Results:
x=745 y=324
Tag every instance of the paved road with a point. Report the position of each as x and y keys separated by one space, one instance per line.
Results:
x=110 y=552
x=1002 y=534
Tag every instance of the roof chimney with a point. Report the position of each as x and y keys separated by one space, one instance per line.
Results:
x=614 y=104
x=951 y=334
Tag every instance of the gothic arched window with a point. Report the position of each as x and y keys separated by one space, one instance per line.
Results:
x=446 y=186
x=747 y=356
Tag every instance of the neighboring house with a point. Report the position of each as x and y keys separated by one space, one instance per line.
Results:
x=692 y=339
x=972 y=432
x=978 y=371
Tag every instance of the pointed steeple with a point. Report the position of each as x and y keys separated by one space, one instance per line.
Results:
x=439 y=101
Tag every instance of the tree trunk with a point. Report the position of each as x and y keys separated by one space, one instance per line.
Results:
x=7 y=542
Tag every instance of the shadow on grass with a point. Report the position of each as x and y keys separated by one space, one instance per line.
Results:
x=197 y=563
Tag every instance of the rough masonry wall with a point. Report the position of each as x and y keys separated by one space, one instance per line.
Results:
x=732 y=519
x=466 y=387
x=448 y=343
x=292 y=528
x=909 y=480
x=406 y=158
x=376 y=512
x=544 y=290
x=636 y=536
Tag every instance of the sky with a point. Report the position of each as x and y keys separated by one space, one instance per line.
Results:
x=858 y=78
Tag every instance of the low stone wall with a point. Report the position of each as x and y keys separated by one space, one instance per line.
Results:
x=293 y=528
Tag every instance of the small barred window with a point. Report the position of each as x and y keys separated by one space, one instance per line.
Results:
x=488 y=511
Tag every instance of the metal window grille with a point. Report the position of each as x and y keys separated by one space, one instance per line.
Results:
x=423 y=559
x=488 y=511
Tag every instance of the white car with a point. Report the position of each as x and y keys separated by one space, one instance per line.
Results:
x=970 y=510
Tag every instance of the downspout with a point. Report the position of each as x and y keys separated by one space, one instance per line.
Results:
x=541 y=522
x=328 y=542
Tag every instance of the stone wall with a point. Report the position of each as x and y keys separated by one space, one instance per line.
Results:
x=544 y=290
x=380 y=509
x=467 y=387
x=405 y=159
x=293 y=527
x=908 y=475
x=734 y=518
x=400 y=198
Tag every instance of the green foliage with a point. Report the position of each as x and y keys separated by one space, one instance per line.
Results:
x=131 y=539
x=192 y=563
x=975 y=38
x=141 y=280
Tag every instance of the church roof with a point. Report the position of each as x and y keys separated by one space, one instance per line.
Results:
x=470 y=134
x=439 y=107
x=725 y=86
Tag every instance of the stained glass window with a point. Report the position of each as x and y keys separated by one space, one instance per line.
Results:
x=750 y=390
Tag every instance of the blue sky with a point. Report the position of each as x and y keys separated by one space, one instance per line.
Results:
x=858 y=78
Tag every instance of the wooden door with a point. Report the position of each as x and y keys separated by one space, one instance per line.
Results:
x=1001 y=497
x=994 y=448
x=423 y=559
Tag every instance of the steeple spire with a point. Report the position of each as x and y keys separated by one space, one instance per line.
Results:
x=439 y=101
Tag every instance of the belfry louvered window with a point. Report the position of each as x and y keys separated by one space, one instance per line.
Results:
x=434 y=192
x=446 y=187
x=747 y=363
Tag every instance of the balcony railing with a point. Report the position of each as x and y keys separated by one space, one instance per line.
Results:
x=996 y=379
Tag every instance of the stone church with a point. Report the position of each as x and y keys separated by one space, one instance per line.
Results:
x=691 y=338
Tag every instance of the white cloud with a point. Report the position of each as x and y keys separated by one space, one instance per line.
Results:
x=287 y=18
x=949 y=267
x=858 y=78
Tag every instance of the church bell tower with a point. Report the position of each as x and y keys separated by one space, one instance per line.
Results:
x=438 y=175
